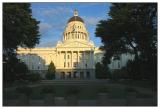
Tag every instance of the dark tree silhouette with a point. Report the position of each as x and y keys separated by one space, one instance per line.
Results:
x=19 y=29
x=51 y=71
x=132 y=27
x=102 y=72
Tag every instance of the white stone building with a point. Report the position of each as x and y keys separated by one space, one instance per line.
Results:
x=74 y=57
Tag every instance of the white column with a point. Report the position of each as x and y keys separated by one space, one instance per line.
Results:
x=71 y=59
x=59 y=58
x=90 y=59
x=84 y=63
x=56 y=58
x=77 y=56
x=66 y=59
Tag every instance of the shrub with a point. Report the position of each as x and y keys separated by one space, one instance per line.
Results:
x=72 y=91
x=103 y=90
x=130 y=89
x=24 y=89
x=48 y=89
x=51 y=71
x=34 y=77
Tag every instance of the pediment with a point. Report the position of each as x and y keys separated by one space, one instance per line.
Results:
x=76 y=44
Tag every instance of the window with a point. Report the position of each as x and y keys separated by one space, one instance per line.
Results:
x=64 y=64
x=86 y=65
x=112 y=65
x=68 y=56
x=80 y=58
x=74 y=74
x=32 y=66
x=64 y=56
x=88 y=74
x=75 y=64
x=118 y=64
x=68 y=64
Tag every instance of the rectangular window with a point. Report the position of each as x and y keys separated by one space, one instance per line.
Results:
x=86 y=65
x=118 y=64
x=64 y=64
x=75 y=64
x=80 y=58
x=32 y=66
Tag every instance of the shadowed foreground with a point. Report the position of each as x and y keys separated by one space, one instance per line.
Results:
x=80 y=93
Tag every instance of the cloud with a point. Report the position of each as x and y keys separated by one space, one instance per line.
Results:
x=44 y=27
x=56 y=11
x=91 y=20
x=47 y=44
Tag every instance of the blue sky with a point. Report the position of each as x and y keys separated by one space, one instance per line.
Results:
x=53 y=18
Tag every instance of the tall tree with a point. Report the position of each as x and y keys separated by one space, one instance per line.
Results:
x=101 y=72
x=51 y=71
x=19 y=27
x=132 y=27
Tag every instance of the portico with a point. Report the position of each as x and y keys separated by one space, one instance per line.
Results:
x=73 y=57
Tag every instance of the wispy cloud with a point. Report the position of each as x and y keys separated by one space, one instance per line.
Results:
x=54 y=11
x=47 y=44
x=44 y=27
x=91 y=21
x=54 y=17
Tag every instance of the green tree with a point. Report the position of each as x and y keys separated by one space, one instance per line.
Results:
x=20 y=29
x=51 y=71
x=34 y=77
x=14 y=70
x=101 y=71
x=132 y=27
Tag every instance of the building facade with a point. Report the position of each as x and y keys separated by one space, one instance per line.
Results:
x=74 y=57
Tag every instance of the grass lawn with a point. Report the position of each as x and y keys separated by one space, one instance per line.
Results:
x=85 y=91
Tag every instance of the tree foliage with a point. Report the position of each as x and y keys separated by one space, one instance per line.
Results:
x=20 y=29
x=132 y=27
x=14 y=70
x=101 y=71
x=51 y=71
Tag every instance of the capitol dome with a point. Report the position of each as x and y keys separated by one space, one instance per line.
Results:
x=75 y=29
x=75 y=18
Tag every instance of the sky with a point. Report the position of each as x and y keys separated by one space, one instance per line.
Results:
x=53 y=18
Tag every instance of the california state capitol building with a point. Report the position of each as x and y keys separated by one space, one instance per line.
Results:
x=74 y=57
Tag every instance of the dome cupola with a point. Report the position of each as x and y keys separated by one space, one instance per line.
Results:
x=75 y=29
x=75 y=17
